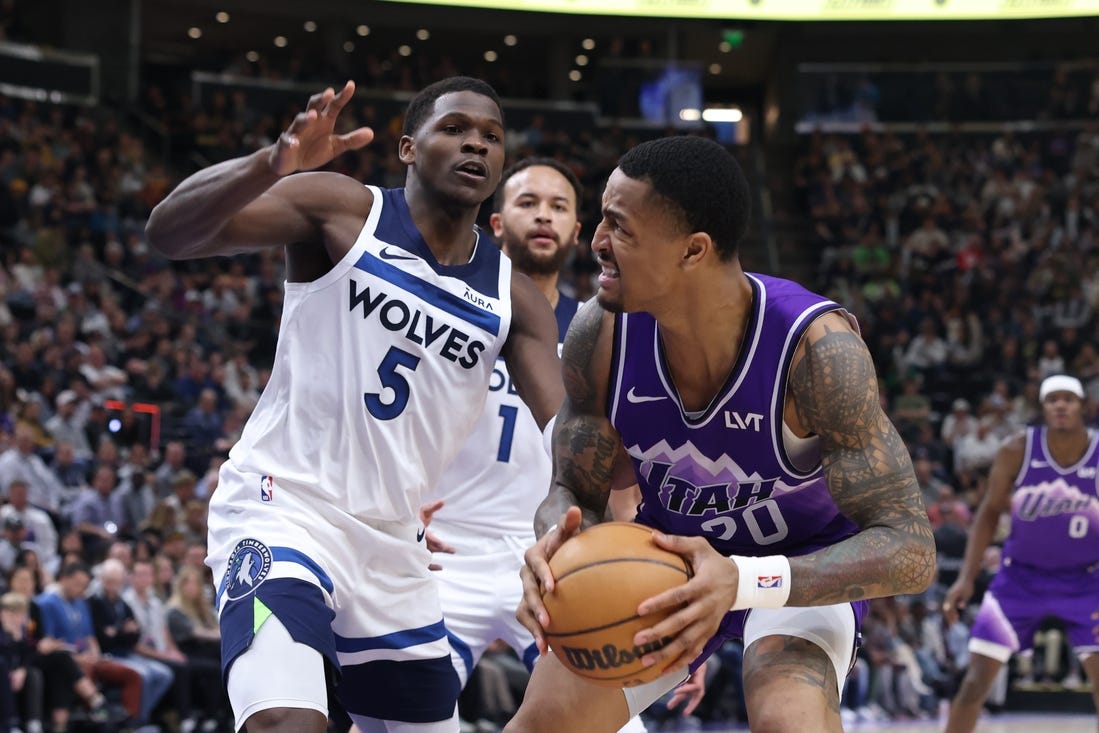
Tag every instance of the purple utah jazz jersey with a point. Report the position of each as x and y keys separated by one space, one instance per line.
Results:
x=724 y=474
x=1054 y=509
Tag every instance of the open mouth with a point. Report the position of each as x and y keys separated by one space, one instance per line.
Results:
x=473 y=169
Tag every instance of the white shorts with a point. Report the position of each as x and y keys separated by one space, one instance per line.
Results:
x=832 y=628
x=480 y=590
x=360 y=593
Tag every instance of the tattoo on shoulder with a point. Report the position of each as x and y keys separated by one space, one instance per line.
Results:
x=578 y=355
x=866 y=465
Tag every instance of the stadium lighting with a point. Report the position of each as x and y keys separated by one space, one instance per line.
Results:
x=510 y=40
x=252 y=56
x=714 y=114
x=281 y=41
x=221 y=17
x=725 y=47
x=194 y=32
x=581 y=60
x=715 y=69
x=363 y=30
x=490 y=56
x=588 y=44
x=423 y=34
x=690 y=114
x=404 y=50
x=348 y=46
x=575 y=75
x=309 y=26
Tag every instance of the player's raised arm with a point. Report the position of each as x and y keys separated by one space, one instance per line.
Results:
x=834 y=391
x=531 y=350
x=246 y=204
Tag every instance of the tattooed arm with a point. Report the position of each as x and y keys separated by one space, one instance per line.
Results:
x=833 y=390
x=585 y=444
x=585 y=449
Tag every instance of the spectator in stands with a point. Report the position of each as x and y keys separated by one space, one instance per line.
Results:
x=67 y=627
x=203 y=428
x=40 y=528
x=21 y=684
x=191 y=618
x=118 y=632
x=96 y=514
x=22 y=463
x=65 y=427
x=198 y=690
x=174 y=461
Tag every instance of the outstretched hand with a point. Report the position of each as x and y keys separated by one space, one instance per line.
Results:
x=697 y=606
x=538 y=579
x=311 y=140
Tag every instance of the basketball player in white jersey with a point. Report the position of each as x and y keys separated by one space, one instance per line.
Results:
x=396 y=309
x=494 y=486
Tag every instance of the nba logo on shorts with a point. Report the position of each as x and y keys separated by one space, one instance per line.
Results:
x=266 y=488
x=768 y=581
x=249 y=565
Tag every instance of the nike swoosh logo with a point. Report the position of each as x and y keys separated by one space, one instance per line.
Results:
x=388 y=254
x=637 y=399
x=420 y=535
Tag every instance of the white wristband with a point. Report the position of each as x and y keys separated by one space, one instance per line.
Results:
x=547 y=436
x=764 y=581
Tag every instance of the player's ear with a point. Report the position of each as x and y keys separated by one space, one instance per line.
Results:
x=406 y=150
x=497 y=224
x=697 y=246
x=575 y=235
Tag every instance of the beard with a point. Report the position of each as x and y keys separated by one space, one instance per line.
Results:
x=537 y=263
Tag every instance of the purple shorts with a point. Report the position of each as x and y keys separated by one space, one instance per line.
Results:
x=1021 y=597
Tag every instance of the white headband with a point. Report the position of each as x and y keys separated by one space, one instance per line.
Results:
x=1060 y=383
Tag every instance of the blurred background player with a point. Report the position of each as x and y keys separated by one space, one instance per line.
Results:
x=1045 y=479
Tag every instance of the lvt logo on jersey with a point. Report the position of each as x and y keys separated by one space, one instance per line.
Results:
x=418 y=327
x=249 y=565
x=743 y=421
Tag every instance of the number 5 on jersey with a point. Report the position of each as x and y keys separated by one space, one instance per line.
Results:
x=395 y=381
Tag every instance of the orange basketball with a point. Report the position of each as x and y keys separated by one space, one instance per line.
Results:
x=602 y=575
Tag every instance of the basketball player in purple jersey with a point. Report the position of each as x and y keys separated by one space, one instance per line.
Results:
x=750 y=412
x=1045 y=477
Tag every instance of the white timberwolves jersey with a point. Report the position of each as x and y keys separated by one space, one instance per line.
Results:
x=502 y=473
x=381 y=369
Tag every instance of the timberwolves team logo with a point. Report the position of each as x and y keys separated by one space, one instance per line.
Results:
x=248 y=567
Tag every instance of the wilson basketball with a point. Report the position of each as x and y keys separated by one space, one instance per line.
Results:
x=602 y=575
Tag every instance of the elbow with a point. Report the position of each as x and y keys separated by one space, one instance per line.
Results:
x=157 y=234
x=914 y=566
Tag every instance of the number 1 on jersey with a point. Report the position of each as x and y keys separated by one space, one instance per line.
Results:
x=391 y=378
x=507 y=413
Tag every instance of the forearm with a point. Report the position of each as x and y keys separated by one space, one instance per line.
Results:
x=876 y=562
x=557 y=503
x=200 y=207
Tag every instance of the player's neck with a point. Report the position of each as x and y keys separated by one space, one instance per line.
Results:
x=703 y=339
x=1067 y=446
x=447 y=227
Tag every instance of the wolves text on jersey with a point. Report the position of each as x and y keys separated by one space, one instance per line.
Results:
x=418 y=327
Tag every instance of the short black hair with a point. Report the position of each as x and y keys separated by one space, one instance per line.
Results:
x=72 y=568
x=421 y=106
x=522 y=165
x=700 y=181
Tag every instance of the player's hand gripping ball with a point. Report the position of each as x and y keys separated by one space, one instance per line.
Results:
x=601 y=576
